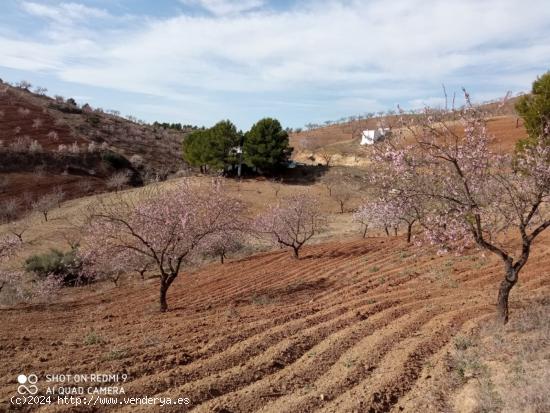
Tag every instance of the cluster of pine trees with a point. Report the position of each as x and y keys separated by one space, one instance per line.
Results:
x=264 y=148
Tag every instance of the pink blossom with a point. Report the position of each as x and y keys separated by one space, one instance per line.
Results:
x=468 y=194
x=292 y=222
x=166 y=228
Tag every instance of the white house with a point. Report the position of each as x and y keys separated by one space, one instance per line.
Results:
x=370 y=136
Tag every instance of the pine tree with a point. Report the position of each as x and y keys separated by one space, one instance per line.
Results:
x=266 y=145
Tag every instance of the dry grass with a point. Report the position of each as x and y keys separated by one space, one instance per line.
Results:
x=256 y=194
x=506 y=369
x=64 y=224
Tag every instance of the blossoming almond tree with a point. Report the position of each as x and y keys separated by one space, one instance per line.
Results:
x=292 y=222
x=363 y=216
x=473 y=196
x=164 y=227
x=46 y=203
x=223 y=243
x=387 y=212
x=8 y=246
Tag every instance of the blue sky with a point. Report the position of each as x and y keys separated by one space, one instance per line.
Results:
x=200 y=61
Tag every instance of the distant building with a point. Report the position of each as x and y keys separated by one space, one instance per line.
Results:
x=370 y=136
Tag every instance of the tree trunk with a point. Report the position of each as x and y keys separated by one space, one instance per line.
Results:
x=166 y=281
x=365 y=231
x=386 y=229
x=341 y=207
x=222 y=256
x=409 y=232
x=296 y=252
x=163 y=302
x=504 y=291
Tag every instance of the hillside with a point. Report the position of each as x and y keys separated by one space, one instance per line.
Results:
x=341 y=141
x=371 y=324
x=47 y=143
x=356 y=325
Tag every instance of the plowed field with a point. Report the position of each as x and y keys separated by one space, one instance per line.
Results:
x=353 y=326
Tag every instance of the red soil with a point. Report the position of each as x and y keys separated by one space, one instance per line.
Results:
x=351 y=326
x=14 y=120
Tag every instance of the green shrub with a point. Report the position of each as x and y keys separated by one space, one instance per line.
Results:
x=116 y=354
x=93 y=338
x=63 y=264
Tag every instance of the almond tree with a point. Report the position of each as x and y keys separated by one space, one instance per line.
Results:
x=363 y=217
x=53 y=135
x=375 y=213
x=46 y=203
x=276 y=184
x=223 y=243
x=8 y=247
x=59 y=195
x=10 y=209
x=388 y=212
x=17 y=229
x=310 y=144
x=292 y=222
x=118 y=181
x=473 y=196
x=164 y=227
x=23 y=84
x=104 y=266
x=327 y=156
x=342 y=193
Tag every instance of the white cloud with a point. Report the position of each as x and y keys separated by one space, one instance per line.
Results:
x=226 y=7
x=65 y=13
x=345 y=54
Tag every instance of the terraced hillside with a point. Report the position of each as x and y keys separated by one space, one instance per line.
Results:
x=47 y=143
x=342 y=141
x=353 y=326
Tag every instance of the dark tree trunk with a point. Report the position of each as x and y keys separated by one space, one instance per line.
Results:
x=296 y=252
x=163 y=302
x=409 y=232
x=387 y=231
x=365 y=231
x=222 y=257
x=165 y=282
x=503 y=293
